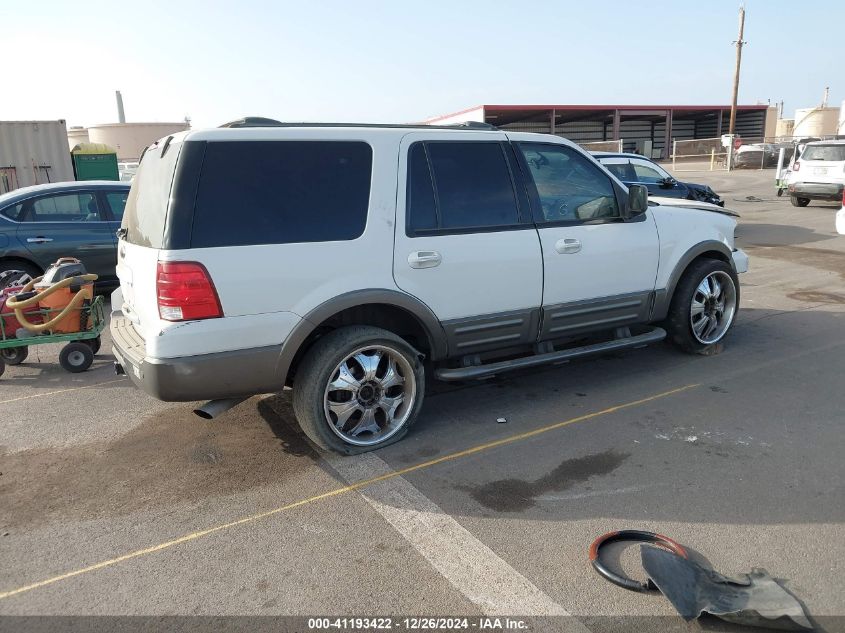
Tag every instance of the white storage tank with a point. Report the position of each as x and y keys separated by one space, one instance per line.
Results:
x=130 y=139
x=842 y=119
x=816 y=121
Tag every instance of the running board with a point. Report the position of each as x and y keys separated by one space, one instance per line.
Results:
x=654 y=335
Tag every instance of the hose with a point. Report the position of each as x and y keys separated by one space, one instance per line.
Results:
x=37 y=328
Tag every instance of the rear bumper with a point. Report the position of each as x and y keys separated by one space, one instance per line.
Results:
x=817 y=190
x=231 y=374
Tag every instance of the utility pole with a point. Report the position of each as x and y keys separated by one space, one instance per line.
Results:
x=738 y=43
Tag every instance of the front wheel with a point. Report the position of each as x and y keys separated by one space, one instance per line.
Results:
x=799 y=202
x=703 y=307
x=359 y=388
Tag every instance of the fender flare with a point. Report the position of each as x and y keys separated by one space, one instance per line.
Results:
x=663 y=296
x=300 y=333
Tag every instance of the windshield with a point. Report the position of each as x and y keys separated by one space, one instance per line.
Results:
x=824 y=152
x=146 y=208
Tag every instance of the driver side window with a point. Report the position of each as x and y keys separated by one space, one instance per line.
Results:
x=569 y=187
x=646 y=173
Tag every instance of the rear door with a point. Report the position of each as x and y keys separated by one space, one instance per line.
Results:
x=67 y=224
x=465 y=244
x=599 y=270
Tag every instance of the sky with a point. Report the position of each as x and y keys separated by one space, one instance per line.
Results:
x=402 y=61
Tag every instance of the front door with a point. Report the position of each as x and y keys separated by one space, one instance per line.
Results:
x=465 y=244
x=599 y=270
x=69 y=224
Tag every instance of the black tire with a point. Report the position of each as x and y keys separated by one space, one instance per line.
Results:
x=94 y=343
x=2 y=367
x=317 y=369
x=678 y=322
x=14 y=355
x=799 y=202
x=76 y=357
x=8 y=270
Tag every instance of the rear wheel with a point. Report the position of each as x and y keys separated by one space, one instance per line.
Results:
x=358 y=389
x=703 y=307
x=799 y=202
x=93 y=343
x=14 y=355
x=76 y=357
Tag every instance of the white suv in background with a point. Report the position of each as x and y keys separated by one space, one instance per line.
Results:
x=818 y=174
x=355 y=262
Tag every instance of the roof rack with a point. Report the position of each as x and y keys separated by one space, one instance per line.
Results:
x=257 y=121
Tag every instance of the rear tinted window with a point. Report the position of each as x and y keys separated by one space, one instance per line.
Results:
x=824 y=152
x=276 y=192
x=146 y=207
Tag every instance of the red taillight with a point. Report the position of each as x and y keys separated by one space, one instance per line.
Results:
x=185 y=292
x=796 y=166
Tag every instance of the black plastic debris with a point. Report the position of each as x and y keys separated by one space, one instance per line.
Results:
x=755 y=600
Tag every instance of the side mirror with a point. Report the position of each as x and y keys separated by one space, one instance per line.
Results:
x=637 y=201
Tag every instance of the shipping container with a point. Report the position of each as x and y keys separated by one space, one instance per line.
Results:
x=33 y=153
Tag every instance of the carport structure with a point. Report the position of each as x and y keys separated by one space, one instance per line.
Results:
x=647 y=129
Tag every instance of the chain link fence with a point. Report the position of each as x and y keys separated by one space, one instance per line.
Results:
x=745 y=153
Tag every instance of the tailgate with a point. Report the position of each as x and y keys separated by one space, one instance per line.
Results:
x=142 y=234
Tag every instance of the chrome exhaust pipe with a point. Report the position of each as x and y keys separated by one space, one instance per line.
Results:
x=213 y=408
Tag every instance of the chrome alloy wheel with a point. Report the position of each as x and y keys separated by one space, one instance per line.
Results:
x=370 y=395
x=713 y=307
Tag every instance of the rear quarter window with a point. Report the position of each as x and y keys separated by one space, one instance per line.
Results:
x=280 y=192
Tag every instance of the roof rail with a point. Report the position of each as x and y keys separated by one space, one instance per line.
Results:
x=253 y=121
x=257 y=121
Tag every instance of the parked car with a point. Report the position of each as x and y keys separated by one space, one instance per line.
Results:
x=758 y=156
x=42 y=223
x=356 y=263
x=818 y=173
x=840 y=217
x=633 y=169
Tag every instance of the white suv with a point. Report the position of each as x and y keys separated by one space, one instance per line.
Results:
x=353 y=263
x=818 y=174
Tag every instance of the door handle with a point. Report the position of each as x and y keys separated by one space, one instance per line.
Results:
x=424 y=259
x=38 y=240
x=567 y=246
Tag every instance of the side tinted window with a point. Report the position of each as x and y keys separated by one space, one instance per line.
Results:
x=276 y=192
x=117 y=203
x=569 y=187
x=623 y=171
x=473 y=185
x=421 y=207
x=646 y=173
x=69 y=207
x=13 y=212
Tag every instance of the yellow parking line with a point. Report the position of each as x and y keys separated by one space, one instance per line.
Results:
x=52 y=393
x=338 y=491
